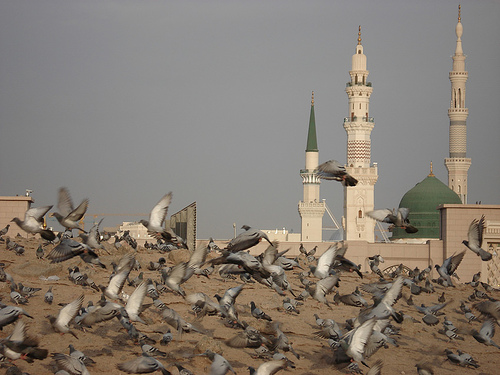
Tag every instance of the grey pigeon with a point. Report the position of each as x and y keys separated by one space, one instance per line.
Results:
x=449 y=267
x=80 y=355
x=49 y=296
x=247 y=239
x=398 y=218
x=475 y=239
x=220 y=365
x=486 y=333
x=69 y=248
x=333 y=170
x=33 y=222
x=10 y=314
x=68 y=216
x=71 y=364
x=258 y=313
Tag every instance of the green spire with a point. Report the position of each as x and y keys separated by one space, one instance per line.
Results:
x=312 y=143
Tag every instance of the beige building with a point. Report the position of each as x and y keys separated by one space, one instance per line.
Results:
x=11 y=207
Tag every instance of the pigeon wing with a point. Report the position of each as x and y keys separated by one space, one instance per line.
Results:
x=66 y=249
x=68 y=312
x=78 y=212
x=359 y=339
x=158 y=213
x=134 y=303
x=64 y=202
x=380 y=215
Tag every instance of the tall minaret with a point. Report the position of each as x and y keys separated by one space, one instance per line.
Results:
x=360 y=198
x=311 y=210
x=458 y=164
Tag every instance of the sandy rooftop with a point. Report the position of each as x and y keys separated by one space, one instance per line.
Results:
x=107 y=343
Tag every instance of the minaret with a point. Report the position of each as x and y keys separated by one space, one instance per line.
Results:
x=458 y=164
x=311 y=210
x=360 y=198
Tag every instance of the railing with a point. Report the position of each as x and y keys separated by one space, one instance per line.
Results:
x=350 y=84
x=355 y=118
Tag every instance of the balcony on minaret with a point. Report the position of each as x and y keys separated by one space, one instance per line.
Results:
x=350 y=84
x=356 y=118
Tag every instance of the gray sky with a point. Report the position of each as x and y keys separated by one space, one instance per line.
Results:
x=122 y=101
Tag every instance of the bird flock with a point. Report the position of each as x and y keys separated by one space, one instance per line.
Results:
x=219 y=309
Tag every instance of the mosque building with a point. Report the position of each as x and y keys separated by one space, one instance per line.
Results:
x=439 y=211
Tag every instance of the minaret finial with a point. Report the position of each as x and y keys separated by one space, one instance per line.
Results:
x=431 y=174
x=359 y=35
x=312 y=98
x=459 y=8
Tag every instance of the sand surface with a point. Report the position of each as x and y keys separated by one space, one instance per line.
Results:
x=108 y=344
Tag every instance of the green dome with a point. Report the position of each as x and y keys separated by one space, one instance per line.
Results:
x=423 y=200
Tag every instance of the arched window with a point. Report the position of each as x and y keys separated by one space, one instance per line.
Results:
x=360 y=214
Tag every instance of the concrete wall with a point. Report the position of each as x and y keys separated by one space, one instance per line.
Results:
x=455 y=221
x=11 y=207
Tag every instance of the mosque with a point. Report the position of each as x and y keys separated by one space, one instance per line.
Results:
x=439 y=211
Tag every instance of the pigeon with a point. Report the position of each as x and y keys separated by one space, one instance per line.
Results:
x=247 y=239
x=33 y=222
x=354 y=342
x=424 y=369
x=134 y=303
x=333 y=170
x=398 y=218
x=167 y=337
x=92 y=239
x=486 y=333
x=449 y=267
x=269 y=367
x=325 y=262
x=65 y=316
x=20 y=345
x=257 y=313
x=489 y=308
x=9 y=314
x=475 y=239
x=324 y=287
x=151 y=350
x=117 y=281
x=79 y=355
x=374 y=261
x=68 y=216
x=49 y=296
x=71 y=364
x=40 y=252
x=155 y=224
x=220 y=365
x=69 y=248
x=4 y=231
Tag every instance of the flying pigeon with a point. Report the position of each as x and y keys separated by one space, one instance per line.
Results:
x=333 y=170
x=33 y=222
x=475 y=239
x=397 y=217
x=68 y=216
x=247 y=239
x=155 y=224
